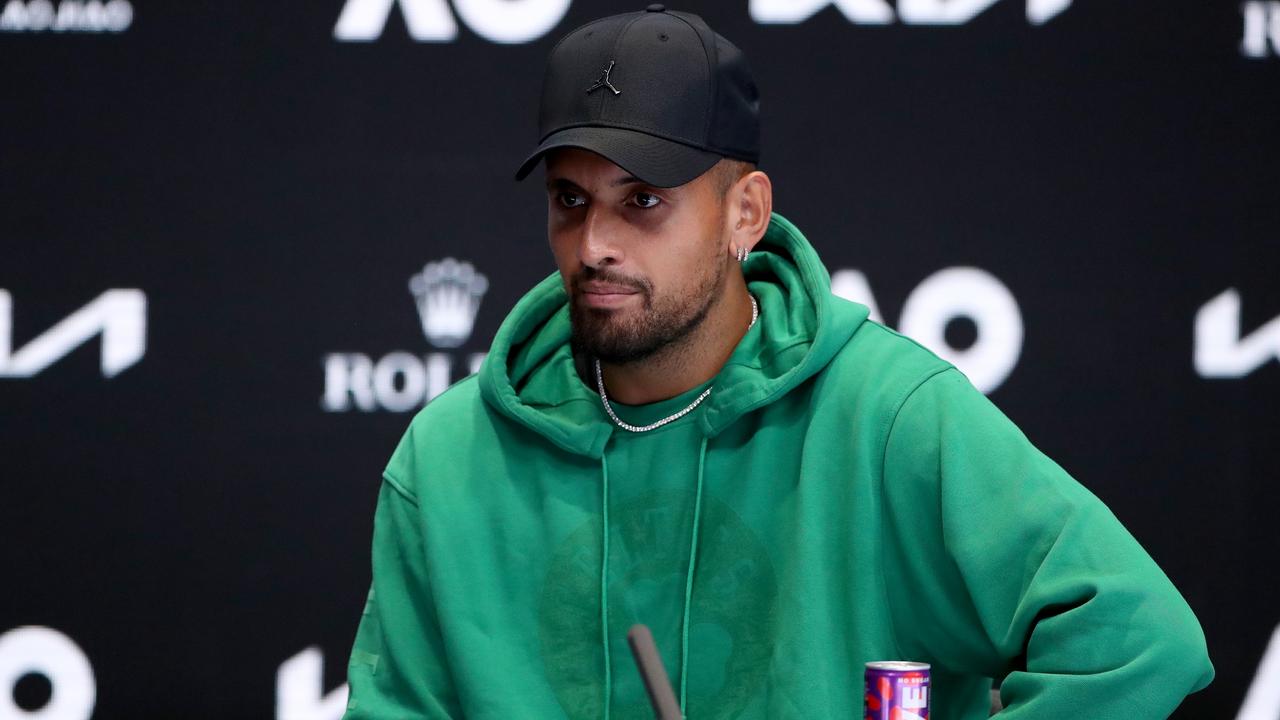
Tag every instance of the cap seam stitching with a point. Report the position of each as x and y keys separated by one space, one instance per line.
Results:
x=715 y=81
x=613 y=53
x=573 y=32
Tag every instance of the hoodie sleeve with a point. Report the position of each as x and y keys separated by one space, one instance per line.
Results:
x=398 y=668
x=999 y=563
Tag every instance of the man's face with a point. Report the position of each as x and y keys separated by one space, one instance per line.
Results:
x=642 y=265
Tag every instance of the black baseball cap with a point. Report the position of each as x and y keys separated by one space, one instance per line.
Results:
x=658 y=93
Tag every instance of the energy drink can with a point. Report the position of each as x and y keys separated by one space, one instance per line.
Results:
x=897 y=690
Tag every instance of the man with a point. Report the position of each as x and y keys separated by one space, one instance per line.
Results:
x=683 y=427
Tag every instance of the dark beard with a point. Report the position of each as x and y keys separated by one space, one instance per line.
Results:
x=600 y=334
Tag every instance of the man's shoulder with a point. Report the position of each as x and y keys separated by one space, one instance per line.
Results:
x=453 y=410
x=885 y=359
x=439 y=426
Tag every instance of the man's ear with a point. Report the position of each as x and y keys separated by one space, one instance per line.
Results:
x=750 y=205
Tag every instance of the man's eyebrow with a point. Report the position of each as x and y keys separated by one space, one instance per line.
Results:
x=561 y=184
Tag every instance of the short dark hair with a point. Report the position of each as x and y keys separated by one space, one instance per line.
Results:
x=728 y=171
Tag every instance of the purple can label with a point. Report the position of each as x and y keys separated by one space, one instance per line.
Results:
x=897 y=691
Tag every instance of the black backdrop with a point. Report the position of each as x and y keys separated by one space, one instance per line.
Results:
x=235 y=199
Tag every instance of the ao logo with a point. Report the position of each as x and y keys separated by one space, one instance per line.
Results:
x=1220 y=350
x=519 y=21
x=879 y=12
x=119 y=315
x=944 y=296
x=447 y=294
x=1262 y=701
x=300 y=689
x=1261 y=29
x=42 y=651
x=500 y=21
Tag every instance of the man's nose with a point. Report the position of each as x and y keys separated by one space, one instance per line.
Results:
x=599 y=244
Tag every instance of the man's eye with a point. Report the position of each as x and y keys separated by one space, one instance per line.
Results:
x=646 y=200
x=570 y=200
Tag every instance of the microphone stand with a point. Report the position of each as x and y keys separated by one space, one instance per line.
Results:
x=653 y=673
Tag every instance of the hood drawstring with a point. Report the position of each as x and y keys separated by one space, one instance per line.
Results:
x=688 y=582
x=604 y=587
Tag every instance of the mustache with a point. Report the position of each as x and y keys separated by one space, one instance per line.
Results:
x=607 y=276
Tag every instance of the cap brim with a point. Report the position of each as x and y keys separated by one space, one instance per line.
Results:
x=657 y=161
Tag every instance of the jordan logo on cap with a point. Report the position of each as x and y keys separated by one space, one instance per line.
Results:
x=604 y=81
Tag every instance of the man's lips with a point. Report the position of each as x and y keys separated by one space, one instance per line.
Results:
x=604 y=295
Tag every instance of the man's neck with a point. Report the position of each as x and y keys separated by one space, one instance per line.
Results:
x=686 y=364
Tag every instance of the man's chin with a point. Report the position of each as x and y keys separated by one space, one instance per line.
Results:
x=614 y=348
x=602 y=322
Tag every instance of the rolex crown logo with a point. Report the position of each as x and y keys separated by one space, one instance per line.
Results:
x=448 y=295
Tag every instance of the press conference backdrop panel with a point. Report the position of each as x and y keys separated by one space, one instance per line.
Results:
x=211 y=215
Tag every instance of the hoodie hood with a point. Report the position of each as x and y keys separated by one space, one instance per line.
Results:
x=530 y=376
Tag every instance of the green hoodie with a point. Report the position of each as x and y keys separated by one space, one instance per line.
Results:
x=842 y=496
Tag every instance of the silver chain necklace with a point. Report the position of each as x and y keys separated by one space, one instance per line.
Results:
x=604 y=397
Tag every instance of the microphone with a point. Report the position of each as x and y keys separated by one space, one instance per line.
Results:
x=653 y=673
